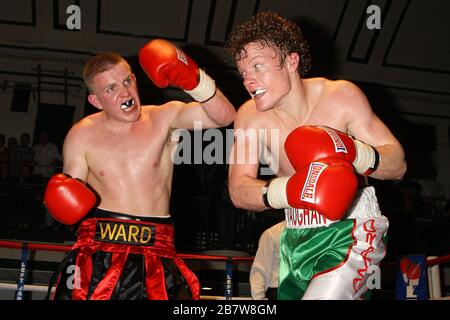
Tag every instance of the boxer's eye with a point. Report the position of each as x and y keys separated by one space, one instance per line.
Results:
x=128 y=81
x=110 y=89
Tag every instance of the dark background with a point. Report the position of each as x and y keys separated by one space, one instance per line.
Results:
x=403 y=68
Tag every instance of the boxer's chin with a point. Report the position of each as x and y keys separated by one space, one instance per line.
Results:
x=131 y=116
x=261 y=108
x=262 y=105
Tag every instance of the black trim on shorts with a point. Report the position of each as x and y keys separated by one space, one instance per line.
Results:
x=100 y=213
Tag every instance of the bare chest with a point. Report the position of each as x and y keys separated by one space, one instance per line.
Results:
x=278 y=131
x=130 y=156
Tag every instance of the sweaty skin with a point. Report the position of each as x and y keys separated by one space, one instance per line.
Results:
x=282 y=101
x=124 y=153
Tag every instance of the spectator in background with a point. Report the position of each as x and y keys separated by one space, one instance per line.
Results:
x=24 y=153
x=12 y=146
x=265 y=267
x=410 y=201
x=433 y=193
x=4 y=157
x=26 y=176
x=46 y=155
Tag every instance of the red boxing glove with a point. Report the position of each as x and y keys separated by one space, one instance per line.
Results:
x=327 y=186
x=67 y=199
x=311 y=143
x=167 y=65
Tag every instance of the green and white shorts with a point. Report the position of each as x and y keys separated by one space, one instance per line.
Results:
x=323 y=259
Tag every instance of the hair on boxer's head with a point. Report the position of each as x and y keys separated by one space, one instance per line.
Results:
x=270 y=29
x=99 y=63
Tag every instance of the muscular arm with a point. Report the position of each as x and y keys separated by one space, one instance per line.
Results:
x=364 y=125
x=67 y=199
x=213 y=113
x=74 y=156
x=165 y=64
x=243 y=185
x=244 y=189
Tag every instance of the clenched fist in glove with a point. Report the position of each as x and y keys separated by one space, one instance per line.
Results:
x=311 y=143
x=67 y=199
x=327 y=186
x=165 y=65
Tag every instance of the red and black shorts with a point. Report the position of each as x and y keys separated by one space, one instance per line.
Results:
x=123 y=257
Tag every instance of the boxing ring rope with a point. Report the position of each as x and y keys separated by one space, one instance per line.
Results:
x=438 y=260
x=434 y=276
x=434 y=282
x=26 y=247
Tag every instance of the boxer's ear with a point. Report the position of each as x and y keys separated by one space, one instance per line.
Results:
x=92 y=98
x=292 y=61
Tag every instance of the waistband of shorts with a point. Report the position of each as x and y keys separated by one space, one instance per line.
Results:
x=365 y=205
x=118 y=232
x=101 y=213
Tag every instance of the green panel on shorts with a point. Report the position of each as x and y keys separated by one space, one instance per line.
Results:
x=306 y=252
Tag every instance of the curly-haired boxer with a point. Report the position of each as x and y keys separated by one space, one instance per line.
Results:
x=118 y=175
x=329 y=138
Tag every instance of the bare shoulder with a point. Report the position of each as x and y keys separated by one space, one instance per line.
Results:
x=84 y=126
x=323 y=89
x=344 y=89
x=82 y=132
x=348 y=96
x=166 y=110
x=248 y=116
x=247 y=109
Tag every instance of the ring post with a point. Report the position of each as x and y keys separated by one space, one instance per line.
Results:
x=229 y=280
x=434 y=280
x=22 y=273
